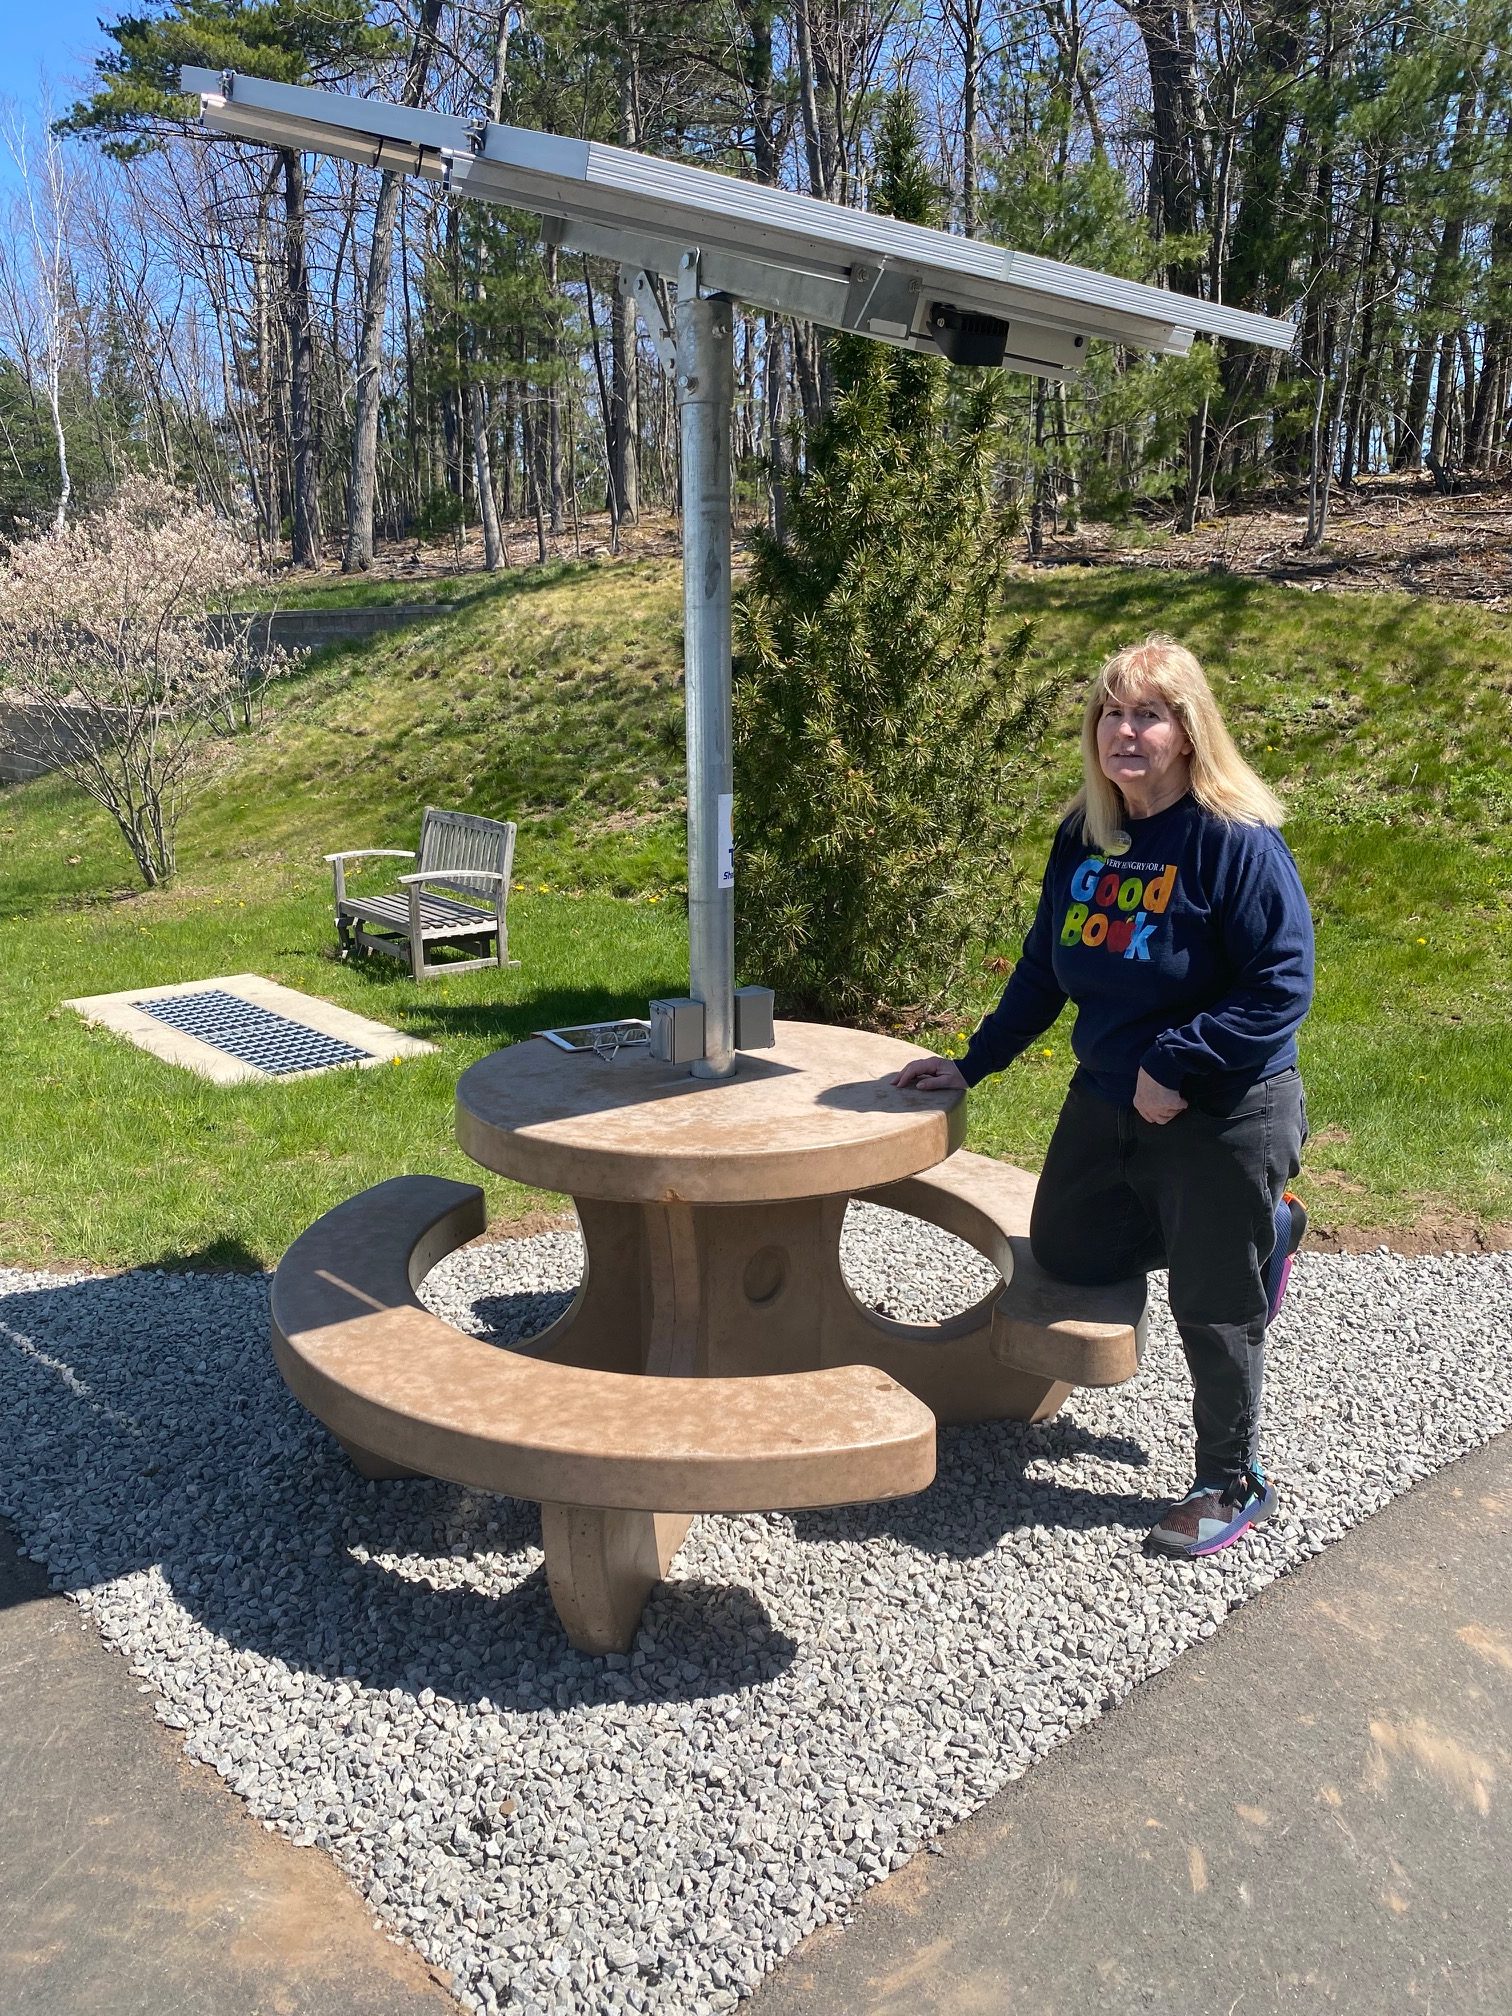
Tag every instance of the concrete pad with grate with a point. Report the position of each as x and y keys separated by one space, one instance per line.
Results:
x=241 y=1026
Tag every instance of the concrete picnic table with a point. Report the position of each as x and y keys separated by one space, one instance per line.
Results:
x=714 y=1358
x=710 y=1209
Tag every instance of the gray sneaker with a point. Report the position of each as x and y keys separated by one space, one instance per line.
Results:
x=1212 y=1517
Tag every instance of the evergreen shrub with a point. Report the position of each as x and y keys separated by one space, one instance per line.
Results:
x=884 y=740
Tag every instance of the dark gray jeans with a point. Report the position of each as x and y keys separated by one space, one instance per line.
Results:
x=1119 y=1196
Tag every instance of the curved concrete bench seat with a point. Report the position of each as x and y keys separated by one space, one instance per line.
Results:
x=618 y=1460
x=1039 y=1327
x=714 y=1359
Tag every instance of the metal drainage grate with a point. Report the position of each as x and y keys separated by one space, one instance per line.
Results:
x=269 y=1042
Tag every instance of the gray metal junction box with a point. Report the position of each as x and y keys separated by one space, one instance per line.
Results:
x=677 y=1031
x=753 y=1018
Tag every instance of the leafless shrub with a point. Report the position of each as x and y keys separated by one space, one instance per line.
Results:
x=117 y=632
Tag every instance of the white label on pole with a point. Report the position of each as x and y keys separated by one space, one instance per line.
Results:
x=724 y=843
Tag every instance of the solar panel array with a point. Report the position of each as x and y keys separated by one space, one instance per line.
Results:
x=269 y=1042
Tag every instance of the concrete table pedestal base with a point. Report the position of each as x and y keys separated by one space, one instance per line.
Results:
x=742 y=1291
x=601 y=1566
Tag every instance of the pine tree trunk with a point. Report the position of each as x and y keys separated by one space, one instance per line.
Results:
x=625 y=408
x=411 y=413
x=776 y=421
x=820 y=180
x=494 y=555
x=1438 y=302
x=557 y=489
x=606 y=408
x=806 y=371
x=1355 y=451
x=757 y=16
x=453 y=434
x=624 y=422
x=266 y=486
x=1067 y=457
x=1446 y=385
x=507 y=499
x=1173 y=180
x=971 y=32
x=1486 y=417
x=304 y=471
x=531 y=460
x=357 y=555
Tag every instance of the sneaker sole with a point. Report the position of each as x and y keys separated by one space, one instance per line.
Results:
x=1253 y=1515
x=1299 y=1233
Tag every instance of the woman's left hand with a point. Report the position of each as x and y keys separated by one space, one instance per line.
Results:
x=1155 y=1102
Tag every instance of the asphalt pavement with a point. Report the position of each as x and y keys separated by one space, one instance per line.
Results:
x=1310 y=1812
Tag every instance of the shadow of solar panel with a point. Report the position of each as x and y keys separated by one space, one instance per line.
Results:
x=269 y=1042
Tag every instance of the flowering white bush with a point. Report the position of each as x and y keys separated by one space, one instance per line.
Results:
x=117 y=632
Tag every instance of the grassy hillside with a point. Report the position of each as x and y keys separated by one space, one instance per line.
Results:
x=553 y=696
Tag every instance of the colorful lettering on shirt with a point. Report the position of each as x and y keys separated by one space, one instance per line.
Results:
x=1084 y=881
x=1115 y=910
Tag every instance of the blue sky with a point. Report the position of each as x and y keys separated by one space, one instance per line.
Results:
x=58 y=36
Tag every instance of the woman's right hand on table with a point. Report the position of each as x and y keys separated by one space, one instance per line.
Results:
x=928 y=1074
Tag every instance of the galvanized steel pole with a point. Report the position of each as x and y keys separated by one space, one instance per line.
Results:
x=706 y=396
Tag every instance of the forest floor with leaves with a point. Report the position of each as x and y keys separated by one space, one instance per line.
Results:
x=1387 y=532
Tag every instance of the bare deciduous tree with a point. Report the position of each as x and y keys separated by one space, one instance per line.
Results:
x=36 y=283
x=116 y=632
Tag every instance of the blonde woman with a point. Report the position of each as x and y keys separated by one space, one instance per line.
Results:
x=1173 y=916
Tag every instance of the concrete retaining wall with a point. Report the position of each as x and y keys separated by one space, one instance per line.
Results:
x=29 y=743
x=28 y=747
x=313 y=629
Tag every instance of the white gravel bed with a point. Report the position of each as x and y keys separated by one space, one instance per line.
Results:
x=377 y=1670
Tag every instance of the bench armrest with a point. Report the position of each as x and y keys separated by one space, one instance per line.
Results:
x=455 y=875
x=356 y=853
x=338 y=867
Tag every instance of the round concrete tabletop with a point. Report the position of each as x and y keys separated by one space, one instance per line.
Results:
x=810 y=1117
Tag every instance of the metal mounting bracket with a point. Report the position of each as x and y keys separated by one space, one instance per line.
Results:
x=862 y=284
x=641 y=289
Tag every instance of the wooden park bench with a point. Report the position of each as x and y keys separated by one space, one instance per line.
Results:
x=457 y=895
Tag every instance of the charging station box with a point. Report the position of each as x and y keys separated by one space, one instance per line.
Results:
x=754 y=1007
x=677 y=1031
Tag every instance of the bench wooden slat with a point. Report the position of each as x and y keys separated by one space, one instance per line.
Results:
x=463 y=840
x=441 y=916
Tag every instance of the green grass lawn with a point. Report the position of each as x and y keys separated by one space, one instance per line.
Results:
x=552 y=695
x=361 y=591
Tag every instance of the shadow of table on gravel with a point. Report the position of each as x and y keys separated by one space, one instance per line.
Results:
x=984 y=1493
x=150 y=1429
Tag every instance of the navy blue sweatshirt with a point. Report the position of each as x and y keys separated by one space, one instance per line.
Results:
x=1189 y=956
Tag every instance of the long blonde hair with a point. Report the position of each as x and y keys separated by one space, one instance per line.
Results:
x=1222 y=781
